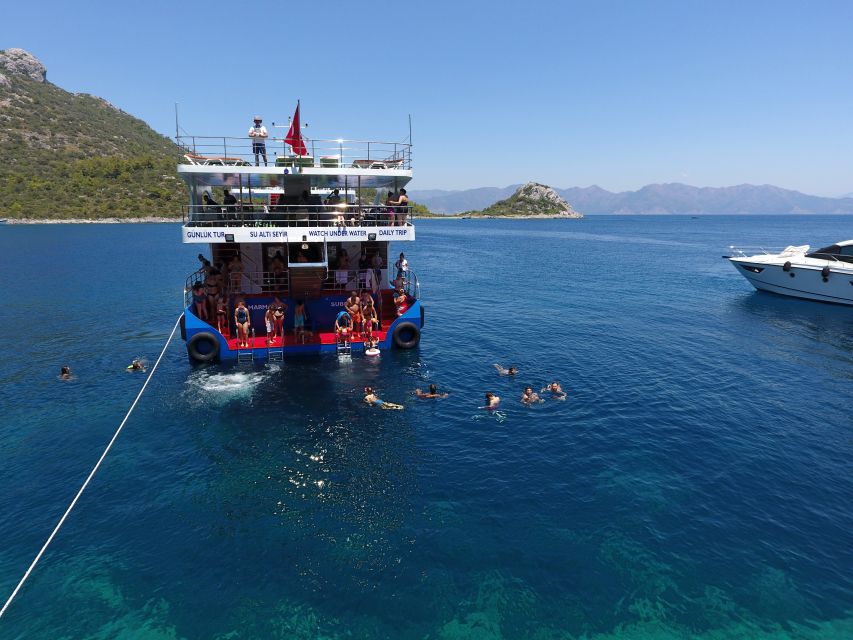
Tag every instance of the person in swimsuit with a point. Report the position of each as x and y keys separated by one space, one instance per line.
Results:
x=221 y=315
x=299 y=320
x=279 y=309
x=369 y=317
x=199 y=301
x=343 y=326
x=353 y=307
x=492 y=401
x=433 y=393
x=401 y=301
x=235 y=273
x=243 y=322
x=213 y=287
x=506 y=372
x=65 y=373
x=136 y=365
x=555 y=389
x=530 y=396
x=371 y=398
x=373 y=342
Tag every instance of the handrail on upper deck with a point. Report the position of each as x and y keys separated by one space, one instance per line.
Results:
x=282 y=215
x=326 y=154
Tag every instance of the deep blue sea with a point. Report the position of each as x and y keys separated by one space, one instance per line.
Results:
x=697 y=482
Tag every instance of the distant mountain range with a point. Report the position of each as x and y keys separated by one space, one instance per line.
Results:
x=671 y=198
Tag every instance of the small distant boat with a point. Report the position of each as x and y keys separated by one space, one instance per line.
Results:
x=3 y=220
x=825 y=275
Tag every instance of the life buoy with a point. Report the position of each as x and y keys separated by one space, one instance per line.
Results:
x=407 y=335
x=203 y=347
x=825 y=274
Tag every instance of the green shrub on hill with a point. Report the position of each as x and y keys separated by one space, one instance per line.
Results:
x=76 y=156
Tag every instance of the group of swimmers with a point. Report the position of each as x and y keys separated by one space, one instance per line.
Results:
x=138 y=364
x=528 y=396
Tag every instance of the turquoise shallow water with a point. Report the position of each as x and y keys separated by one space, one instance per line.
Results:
x=696 y=483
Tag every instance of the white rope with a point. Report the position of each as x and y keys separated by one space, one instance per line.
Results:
x=91 y=474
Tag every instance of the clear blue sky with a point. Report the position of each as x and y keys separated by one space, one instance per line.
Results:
x=619 y=94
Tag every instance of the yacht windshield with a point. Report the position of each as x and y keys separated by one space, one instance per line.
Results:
x=833 y=252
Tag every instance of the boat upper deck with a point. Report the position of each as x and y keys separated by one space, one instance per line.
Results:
x=340 y=189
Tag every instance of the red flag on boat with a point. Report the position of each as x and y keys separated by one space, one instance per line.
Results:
x=294 y=135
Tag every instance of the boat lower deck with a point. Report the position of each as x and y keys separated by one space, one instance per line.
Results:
x=310 y=339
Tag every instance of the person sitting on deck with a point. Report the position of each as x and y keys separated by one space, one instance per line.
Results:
x=555 y=389
x=333 y=198
x=343 y=327
x=401 y=301
x=210 y=208
x=243 y=321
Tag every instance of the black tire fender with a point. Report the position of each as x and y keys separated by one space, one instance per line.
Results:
x=406 y=335
x=825 y=274
x=208 y=355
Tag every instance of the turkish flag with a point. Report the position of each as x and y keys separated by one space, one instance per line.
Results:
x=294 y=136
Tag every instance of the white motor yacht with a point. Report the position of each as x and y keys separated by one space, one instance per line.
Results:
x=825 y=275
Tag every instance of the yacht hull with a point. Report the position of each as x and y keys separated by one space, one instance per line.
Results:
x=804 y=282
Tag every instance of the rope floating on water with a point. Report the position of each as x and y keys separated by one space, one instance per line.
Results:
x=91 y=473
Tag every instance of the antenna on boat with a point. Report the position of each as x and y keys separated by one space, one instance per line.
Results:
x=410 y=129
x=177 y=128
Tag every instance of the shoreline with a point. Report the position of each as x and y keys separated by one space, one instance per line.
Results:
x=144 y=220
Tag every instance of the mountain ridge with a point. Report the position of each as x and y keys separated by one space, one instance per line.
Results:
x=654 y=199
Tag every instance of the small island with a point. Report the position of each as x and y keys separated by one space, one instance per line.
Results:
x=533 y=200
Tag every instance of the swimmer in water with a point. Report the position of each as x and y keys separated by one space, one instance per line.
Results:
x=136 y=365
x=65 y=373
x=555 y=389
x=530 y=396
x=506 y=372
x=492 y=401
x=371 y=398
x=433 y=393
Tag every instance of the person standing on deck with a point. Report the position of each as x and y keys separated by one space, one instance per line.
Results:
x=258 y=134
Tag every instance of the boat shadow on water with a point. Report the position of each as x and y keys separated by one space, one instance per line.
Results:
x=822 y=322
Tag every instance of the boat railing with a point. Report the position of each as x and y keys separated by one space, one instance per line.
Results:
x=349 y=280
x=286 y=215
x=324 y=154
x=243 y=283
x=410 y=283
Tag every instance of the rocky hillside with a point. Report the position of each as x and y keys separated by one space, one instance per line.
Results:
x=67 y=155
x=533 y=200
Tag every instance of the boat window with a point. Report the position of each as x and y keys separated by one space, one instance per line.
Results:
x=831 y=250
x=847 y=250
x=307 y=253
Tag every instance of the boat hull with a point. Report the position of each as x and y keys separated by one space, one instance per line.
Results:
x=805 y=282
